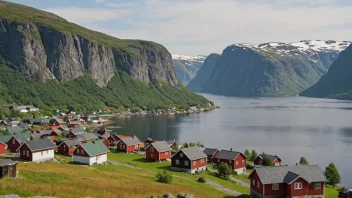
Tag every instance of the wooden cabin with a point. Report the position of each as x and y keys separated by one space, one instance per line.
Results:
x=8 y=168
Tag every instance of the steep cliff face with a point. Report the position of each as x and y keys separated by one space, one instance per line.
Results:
x=204 y=75
x=53 y=48
x=337 y=83
x=268 y=69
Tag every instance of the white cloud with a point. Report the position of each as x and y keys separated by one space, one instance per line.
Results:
x=205 y=26
x=88 y=15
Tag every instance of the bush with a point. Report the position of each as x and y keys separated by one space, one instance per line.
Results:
x=224 y=170
x=249 y=167
x=164 y=177
x=201 y=179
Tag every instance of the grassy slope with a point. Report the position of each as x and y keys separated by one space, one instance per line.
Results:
x=64 y=180
x=82 y=94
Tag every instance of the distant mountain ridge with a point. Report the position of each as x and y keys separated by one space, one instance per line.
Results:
x=186 y=67
x=267 y=69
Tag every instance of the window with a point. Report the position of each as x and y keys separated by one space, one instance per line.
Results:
x=230 y=161
x=186 y=163
x=82 y=151
x=202 y=161
x=194 y=163
x=258 y=184
x=298 y=185
x=275 y=186
x=181 y=154
x=47 y=151
x=120 y=146
x=27 y=153
x=123 y=146
x=151 y=149
x=151 y=155
x=236 y=162
x=42 y=152
x=253 y=183
x=177 y=162
x=24 y=152
x=166 y=153
x=242 y=161
x=77 y=150
x=13 y=141
x=317 y=185
x=136 y=146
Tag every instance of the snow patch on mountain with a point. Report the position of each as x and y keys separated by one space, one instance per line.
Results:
x=198 y=58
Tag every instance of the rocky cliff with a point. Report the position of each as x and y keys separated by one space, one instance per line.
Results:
x=337 y=82
x=49 y=46
x=186 y=67
x=268 y=69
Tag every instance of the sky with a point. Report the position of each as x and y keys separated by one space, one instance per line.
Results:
x=201 y=27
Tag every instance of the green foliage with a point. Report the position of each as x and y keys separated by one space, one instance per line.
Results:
x=253 y=155
x=224 y=170
x=164 y=177
x=303 y=161
x=267 y=162
x=175 y=148
x=82 y=94
x=202 y=179
x=332 y=174
x=247 y=153
x=192 y=144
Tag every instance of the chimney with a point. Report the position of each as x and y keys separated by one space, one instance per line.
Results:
x=230 y=149
x=133 y=136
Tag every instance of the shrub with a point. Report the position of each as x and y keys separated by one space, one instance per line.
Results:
x=250 y=167
x=164 y=177
x=201 y=179
x=224 y=170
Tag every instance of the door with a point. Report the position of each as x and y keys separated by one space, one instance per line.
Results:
x=10 y=171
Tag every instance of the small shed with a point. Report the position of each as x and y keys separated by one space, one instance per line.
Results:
x=8 y=168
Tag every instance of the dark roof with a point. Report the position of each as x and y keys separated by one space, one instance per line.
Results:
x=14 y=130
x=72 y=142
x=22 y=137
x=95 y=148
x=78 y=130
x=5 y=138
x=161 y=146
x=193 y=153
x=288 y=174
x=209 y=151
x=225 y=154
x=40 y=144
x=60 y=121
x=36 y=120
x=86 y=136
x=271 y=157
x=6 y=162
x=131 y=141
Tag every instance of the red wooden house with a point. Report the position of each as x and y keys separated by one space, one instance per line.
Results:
x=75 y=131
x=128 y=145
x=300 y=181
x=189 y=160
x=37 y=150
x=210 y=153
x=3 y=147
x=234 y=159
x=172 y=143
x=103 y=131
x=260 y=160
x=119 y=137
x=148 y=141
x=158 y=151
x=16 y=140
x=58 y=122
x=67 y=147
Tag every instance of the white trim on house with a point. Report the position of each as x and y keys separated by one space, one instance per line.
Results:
x=98 y=159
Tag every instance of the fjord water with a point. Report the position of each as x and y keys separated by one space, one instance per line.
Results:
x=291 y=127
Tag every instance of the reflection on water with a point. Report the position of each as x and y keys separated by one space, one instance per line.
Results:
x=291 y=127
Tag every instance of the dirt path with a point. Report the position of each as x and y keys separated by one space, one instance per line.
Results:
x=210 y=182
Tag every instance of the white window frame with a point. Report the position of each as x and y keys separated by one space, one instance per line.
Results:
x=13 y=141
x=275 y=186
x=167 y=153
x=151 y=149
x=181 y=154
x=202 y=161
x=298 y=185
x=242 y=161
x=194 y=162
x=177 y=162
x=317 y=185
x=27 y=153
x=186 y=163
x=258 y=184
x=236 y=162
x=253 y=182
x=136 y=146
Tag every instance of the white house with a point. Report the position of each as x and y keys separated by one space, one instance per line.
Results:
x=37 y=150
x=90 y=153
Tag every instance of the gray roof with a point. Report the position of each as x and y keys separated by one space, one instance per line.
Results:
x=40 y=144
x=271 y=157
x=72 y=142
x=131 y=141
x=86 y=136
x=225 y=154
x=287 y=174
x=209 y=151
x=6 y=162
x=36 y=120
x=161 y=146
x=193 y=153
x=78 y=130
x=22 y=137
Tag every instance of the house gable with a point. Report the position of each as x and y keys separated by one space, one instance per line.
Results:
x=80 y=151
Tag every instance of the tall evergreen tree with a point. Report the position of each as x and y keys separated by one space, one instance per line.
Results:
x=253 y=155
x=332 y=174
x=247 y=153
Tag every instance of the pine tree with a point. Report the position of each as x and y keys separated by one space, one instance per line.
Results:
x=303 y=161
x=332 y=174
x=247 y=153
x=253 y=155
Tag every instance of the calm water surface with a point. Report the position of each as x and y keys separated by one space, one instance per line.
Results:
x=291 y=127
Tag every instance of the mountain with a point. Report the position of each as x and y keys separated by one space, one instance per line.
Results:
x=186 y=67
x=40 y=46
x=268 y=69
x=337 y=82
